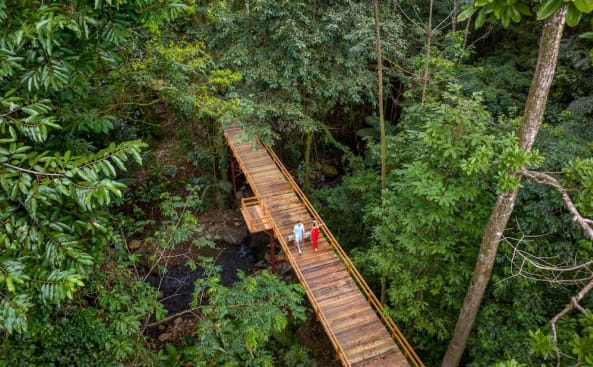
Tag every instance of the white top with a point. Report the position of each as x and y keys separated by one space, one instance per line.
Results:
x=298 y=231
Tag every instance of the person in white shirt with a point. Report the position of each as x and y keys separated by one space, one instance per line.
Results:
x=298 y=230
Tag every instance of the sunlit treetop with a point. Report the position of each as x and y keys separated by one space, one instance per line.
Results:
x=512 y=11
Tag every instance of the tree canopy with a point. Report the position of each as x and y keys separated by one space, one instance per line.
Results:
x=483 y=211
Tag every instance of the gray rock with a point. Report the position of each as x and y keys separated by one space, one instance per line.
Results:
x=232 y=235
x=134 y=244
x=329 y=171
x=260 y=264
x=147 y=254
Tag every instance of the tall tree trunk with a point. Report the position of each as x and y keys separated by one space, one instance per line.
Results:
x=380 y=98
x=454 y=16
x=466 y=33
x=307 y=173
x=532 y=117
x=383 y=288
x=428 y=46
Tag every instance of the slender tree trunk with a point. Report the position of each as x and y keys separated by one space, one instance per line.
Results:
x=466 y=32
x=534 y=109
x=219 y=153
x=383 y=288
x=380 y=97
x=307 y=176
x=428 y=46
x=454 y=17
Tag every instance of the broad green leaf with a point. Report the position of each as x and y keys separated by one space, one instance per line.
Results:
x=548 y=8
x=481 y=18
x=515 y=14
x=499 y=10
x=584 y=6
x=506 y=18
x=466 y=14
x=10 y=284
x=573 y=15
x=480 y=3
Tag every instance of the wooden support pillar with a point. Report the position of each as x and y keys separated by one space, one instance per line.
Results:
x=272 y=250
x=234 y=173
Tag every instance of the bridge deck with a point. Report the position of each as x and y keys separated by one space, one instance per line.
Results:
x=357 y=333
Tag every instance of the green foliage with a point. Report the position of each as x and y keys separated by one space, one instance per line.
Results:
x=542 y=228
x=297 y=356
x=101 y=327
x=513 y=11
x=426 y=230
x=362 y=187
x=580 y=171
x=302 y=63
x=178 y=224
x=512 y=307
x=183 y=74
x=46 y=250
x=62 y=299
x=235 y=328
x=582 y=342
x=511 y=363
x=574 y=345
x=543 y=344
x=172 y=79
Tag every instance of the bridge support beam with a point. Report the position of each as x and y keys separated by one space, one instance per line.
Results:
x=272 y=251
x=235 y=172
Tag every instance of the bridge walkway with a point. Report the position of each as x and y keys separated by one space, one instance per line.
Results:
x=351 y=315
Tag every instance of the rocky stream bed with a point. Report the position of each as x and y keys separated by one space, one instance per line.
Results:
x=237 y=250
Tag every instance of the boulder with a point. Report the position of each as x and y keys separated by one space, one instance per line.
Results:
x=134 y=244
x=147 y=254
x=329 y=170
x=232 y=235
x=260 y=264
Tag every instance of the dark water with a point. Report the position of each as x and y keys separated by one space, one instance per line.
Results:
x=177 y=285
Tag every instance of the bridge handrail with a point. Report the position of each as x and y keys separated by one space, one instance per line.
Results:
x=256 y=201
x=371 y=298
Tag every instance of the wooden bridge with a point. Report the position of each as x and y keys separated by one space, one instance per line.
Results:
x=351 y=315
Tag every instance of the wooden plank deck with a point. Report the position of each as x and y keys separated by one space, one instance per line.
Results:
x=357 y=333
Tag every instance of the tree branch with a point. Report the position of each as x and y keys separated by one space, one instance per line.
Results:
x=546 y=179
x=191 y=310
x=531 y=267
x=115 y=105
x=574 y=303
x=36 y=173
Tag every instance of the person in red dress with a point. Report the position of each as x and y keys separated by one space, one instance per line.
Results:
x=314 y=234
